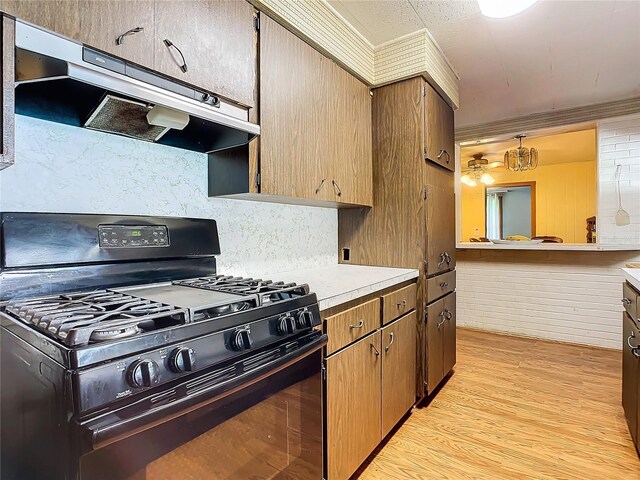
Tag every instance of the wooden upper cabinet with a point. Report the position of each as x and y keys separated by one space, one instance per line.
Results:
x=440 y=236
x=315 y=119
x=439 y=129
x=60 y=16
x=398 y=369
x=353 y=406
x=217 y=39
x=103 y=21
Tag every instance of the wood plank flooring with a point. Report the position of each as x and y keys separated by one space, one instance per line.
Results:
x=516 y=408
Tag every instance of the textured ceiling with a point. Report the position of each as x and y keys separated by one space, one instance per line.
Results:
x=553 y=56
x=563 y=148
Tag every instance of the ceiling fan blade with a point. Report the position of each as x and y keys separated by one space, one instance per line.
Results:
x=494 y=165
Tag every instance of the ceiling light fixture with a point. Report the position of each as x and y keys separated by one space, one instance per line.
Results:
x=503 y=8
x=477 y=171
x=521 y=159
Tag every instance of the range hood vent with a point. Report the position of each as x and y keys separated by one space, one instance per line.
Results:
x=62 y=81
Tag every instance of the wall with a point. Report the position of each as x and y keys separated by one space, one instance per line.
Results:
x=619 y=144
x=565 y=198
x=566 y=296
x=65 y=169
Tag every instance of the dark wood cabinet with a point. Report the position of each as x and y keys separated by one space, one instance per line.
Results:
x=440 y=236
x=440 y=340
x=630 y=373
x=315 y=117
x=7 y=116
x=217 y=41
x=449 y=346
x=439 y=129
x=103 y=21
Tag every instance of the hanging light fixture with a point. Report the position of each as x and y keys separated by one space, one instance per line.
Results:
x=477 y=171
x=521 y=159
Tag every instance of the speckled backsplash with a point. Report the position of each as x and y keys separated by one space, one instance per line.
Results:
x=67 y=169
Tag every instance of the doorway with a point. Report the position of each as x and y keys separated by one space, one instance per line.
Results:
x=510 y=210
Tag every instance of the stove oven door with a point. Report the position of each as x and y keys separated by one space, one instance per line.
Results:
x=262 y=423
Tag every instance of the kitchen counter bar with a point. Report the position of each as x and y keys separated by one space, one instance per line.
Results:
x=580 y=247
x=338 y=284
x=632 y=275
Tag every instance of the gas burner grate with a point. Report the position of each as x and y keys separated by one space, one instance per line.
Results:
x=266 y=290
x=94 y=317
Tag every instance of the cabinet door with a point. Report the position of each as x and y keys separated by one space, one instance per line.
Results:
x=7 y=92
x=294 y=116
x=102 y=22
x=353 y=406
x=440 y=236
x=218 y=41
x=449 y=346
x=60 y=16
x=630 y=371
x=398 y=370
x=435 y=344
x=439 y=129
x=350 y=139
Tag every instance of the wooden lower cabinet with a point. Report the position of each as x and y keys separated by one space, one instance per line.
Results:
x=630 y=372
x=353 y=389
x=440 y=338
x=398 y=370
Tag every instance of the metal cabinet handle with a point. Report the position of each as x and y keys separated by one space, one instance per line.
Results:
x=444 y=285
x=626 y=301
x=336 y=188
x=120 y=38
x=374 y=349
x=403 y=303
x=632 y=347
x=386 y=349
x=447 y=257
x=442 y=261
x=169 y=44
x=320 y=186
x=441 y=322
x=359 y=325
x=448 y=315
x=444 y=152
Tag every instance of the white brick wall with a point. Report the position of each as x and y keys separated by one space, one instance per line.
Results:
x=619 y=144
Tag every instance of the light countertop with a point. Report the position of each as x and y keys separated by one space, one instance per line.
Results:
x=632 y=275
x=581 y=247
x=338 y=284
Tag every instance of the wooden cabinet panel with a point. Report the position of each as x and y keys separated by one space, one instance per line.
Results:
x=102 y=22
x=396 y=304
x=630 y=372
x=440 y=285
x=398 y=370
x=438 y=129
x=294 y=116
x=218 y=41
x=350 y=138
x=435 y=344
x=449 y=346
x=60 y=16
x=348 y=326
x=440 y=233
x=7 y=115
x=630 y=301
x=353 y=406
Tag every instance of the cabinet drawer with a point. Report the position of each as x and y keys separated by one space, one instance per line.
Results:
x=440 y=285
x=352 y=324
x=396 y=304
x=630 y=301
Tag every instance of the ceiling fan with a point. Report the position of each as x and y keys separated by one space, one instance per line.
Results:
x=477 y=171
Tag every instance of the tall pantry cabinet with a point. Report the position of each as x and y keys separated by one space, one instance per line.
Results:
x=412 y=222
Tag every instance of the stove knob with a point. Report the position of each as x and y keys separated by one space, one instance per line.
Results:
x=241 y=340
x=143 y=373
x=182 y=360
x=286 y=325
x=305 y=319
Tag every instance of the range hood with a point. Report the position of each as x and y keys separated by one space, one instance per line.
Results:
x=60 y=80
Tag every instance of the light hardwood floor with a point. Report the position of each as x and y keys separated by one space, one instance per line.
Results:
x=516 y=408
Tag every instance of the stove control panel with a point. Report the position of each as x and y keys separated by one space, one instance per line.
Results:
x=132 y=236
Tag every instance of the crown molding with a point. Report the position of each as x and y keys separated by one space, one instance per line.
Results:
x=555 y=118
x=320 y=25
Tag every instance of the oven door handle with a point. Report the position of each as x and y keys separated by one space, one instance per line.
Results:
x=110 y=427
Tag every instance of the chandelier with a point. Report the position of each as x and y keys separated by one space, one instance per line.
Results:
x=477 y=171
x=521 y=159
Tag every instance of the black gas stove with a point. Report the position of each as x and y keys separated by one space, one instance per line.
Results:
x=156 y=333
